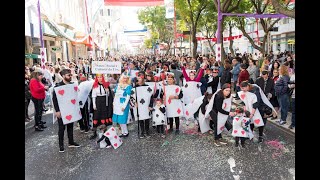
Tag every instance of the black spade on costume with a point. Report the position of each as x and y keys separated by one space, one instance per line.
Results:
x=142 y=101
x=153 y=122
x=162 y=121
x=157 y=115
x=149 y=89
x=198 y=86
x=186 y=85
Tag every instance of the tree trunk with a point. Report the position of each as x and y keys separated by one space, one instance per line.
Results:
x=231 y=41
x=211 y=46
x=194 y=41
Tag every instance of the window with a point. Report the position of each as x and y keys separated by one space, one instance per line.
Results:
x=101 y=12
x=285 y=20
x=109 y=25
x=109 y=12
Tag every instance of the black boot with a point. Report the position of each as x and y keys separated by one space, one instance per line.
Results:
x=42 y=125
x=94 y=135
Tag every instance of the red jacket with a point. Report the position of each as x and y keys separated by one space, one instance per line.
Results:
x=243 y=76
x=37 y=89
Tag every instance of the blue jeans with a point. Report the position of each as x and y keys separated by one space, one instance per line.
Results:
x=293 y=107
x=284 y=105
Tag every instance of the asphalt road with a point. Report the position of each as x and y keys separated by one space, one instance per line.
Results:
x=184 y=156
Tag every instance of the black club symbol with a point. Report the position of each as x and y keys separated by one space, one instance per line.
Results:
x=198 y=86
x=186 y=86
x=153 y=122
x=157 y=115
x=142 y=101
x=162 y=121
x=149 y=89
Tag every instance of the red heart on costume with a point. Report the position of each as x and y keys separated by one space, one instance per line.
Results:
x=244 y=121
x=76 y=88
x=107 y=133
x=225 y=105
x=110 y=120
x=243 y=96
x=115 y=137
x=222 y=128
x=235 y=131
x=61 y=92
x=95 y=121
x=242 y=132
x=257 y=121
x=102 y=121
x=115 y=144
x=169 y=101
x=237 y=119
x=112 y=129
x=73 y=101
x=187 y=113
x=179 y=111
x=177 y=90
x=69 y=117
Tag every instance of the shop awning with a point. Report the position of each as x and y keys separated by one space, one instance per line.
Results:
x=133 y=2
x=86 y=41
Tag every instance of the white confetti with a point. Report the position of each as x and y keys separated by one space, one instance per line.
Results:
x=236 y=177
x=232 y=163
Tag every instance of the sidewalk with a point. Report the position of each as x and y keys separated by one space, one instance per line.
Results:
x=274 y=121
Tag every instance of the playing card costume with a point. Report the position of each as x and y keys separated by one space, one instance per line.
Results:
x=73 y=116
x=219 y=108
x=241 y=129
x=85 y=100
x=255 y=99
x=159 y=118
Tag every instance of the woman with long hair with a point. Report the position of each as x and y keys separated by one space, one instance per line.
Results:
x=282 y=93
x=102 y=98
x=121 y=100
x=27 y=93
x=37 y=90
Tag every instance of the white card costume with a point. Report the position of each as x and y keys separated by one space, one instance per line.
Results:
x=191 y=90
x=191 y=108
x=53 y=113
x=144 y=96
x=67 y=97
x=238 y=127
x=155 y=86
x=84 y=91
x=158 y=118
x=204 y=123
x=249 y=99
x=265 y=99
x=115 y=140
x=103 y=143
x=222 y=118
x=173 y=106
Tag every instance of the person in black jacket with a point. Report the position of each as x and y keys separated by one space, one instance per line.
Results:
x=215 y=80
x=222 y=94
x=266 y=84
x=66 y=75
x=226 y=74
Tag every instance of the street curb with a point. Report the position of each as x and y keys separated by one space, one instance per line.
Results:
x=287 y=130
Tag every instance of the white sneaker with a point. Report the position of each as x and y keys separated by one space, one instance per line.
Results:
x=196 y=122
x=108 y=146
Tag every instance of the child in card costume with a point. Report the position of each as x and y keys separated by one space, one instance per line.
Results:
x=103 y=129
x=66 y=117
x=191 y=88
x=159 y=118
x=172 y=95
x=121 y=103
x=241 y=126
x=102 y=99
x=143 y=97
x=219 y=109
x=255 y=102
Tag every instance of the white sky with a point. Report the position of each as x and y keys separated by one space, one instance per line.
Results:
x=130 y=18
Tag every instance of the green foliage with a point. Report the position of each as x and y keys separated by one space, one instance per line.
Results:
x=160 y=27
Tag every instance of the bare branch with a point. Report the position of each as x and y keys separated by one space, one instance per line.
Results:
x=235 y=7
x=272 y=24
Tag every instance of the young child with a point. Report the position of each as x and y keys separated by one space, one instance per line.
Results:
x=159 y=118
x=103 y=129
x=241 y=126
